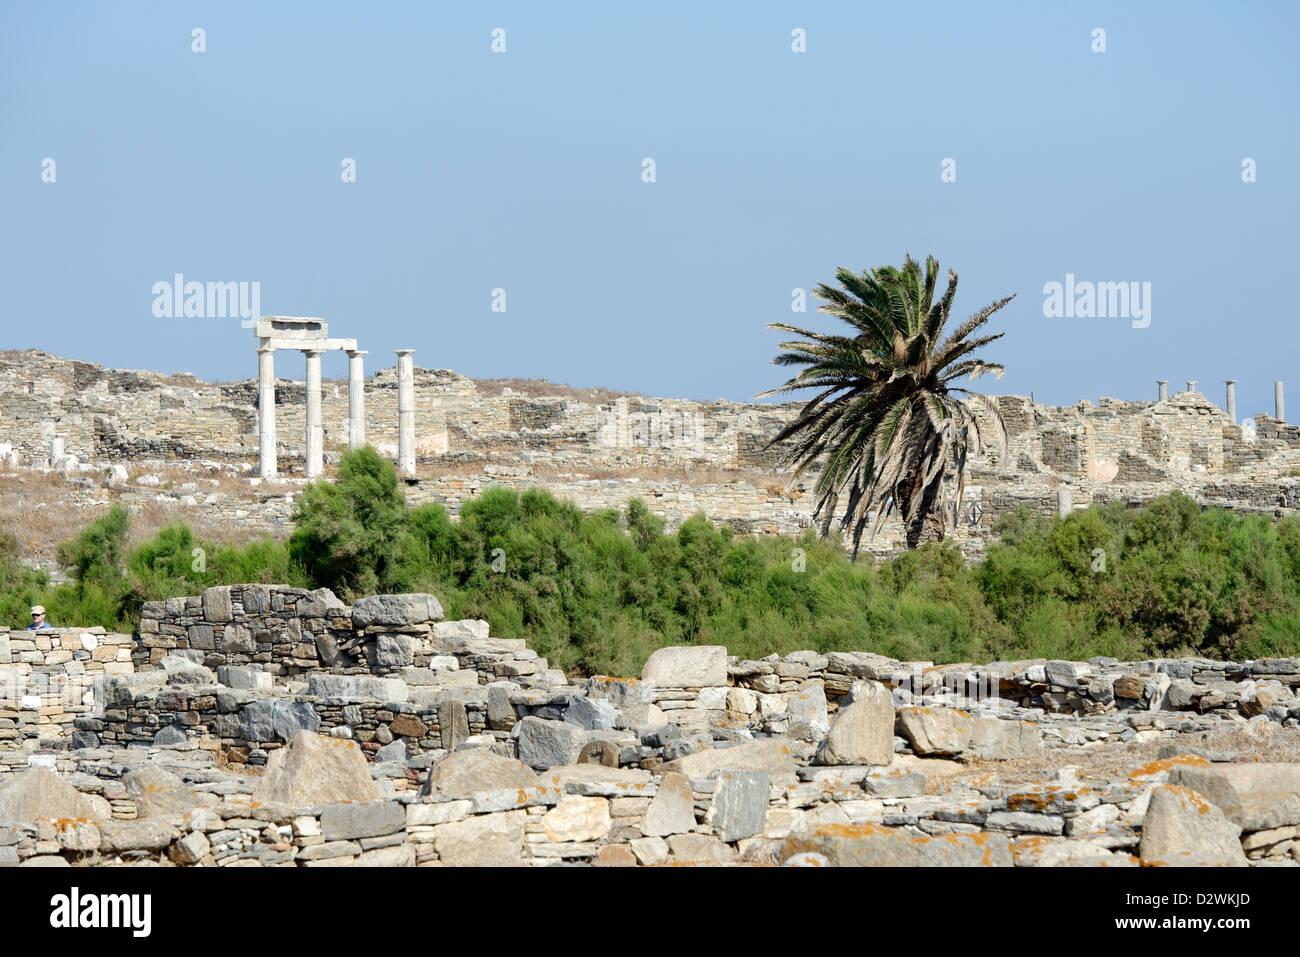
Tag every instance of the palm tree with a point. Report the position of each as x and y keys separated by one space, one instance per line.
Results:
x=885 y=427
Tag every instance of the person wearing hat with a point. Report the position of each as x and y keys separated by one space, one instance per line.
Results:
x=38 y=619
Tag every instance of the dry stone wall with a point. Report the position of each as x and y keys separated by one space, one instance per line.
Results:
x=262 y=725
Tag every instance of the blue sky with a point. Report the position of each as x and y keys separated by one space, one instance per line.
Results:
x=523 y=171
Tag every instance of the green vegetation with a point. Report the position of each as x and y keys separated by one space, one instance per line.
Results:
x=599 y=592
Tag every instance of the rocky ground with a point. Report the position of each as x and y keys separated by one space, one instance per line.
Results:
x=265 y=725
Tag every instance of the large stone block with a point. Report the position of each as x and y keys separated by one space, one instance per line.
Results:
x=769 y=754
x=485 y=840
x=316 y=770
x=476 y=769
x=217 y=606
x=577 y=819
x=863 y=731
x=158 y=793
x=1254 y=796
x=396 y=610
x=546 y=744
x=1181 y=826
x=40 y=793
x=937 y=731
x=739 y=808
x=689 y=666
x=350 y=822
x=872 y=845
x=672 y=809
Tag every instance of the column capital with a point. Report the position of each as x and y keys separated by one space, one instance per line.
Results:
x=311 y=353
x=1230 y=381
x=352 y=353
x=404 y=352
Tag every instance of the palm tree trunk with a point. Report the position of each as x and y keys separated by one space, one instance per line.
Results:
x=928 y=525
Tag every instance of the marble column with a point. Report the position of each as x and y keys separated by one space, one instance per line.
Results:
x=1191 y=385
x=1163 y=386
x=266 y=411
x=405 y=411
x=315 y=431
x=1277 y=402
x=1064 y=502
x=1232 y=400
x=356 y=399
x=56 y=452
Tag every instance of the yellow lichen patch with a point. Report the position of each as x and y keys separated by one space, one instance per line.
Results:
x=1165 y=765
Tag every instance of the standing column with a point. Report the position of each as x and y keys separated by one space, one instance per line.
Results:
x=266 y=411
x=315 y=433
x=1232 y=400
x=1064 y=502
x=1163 y=386
x=405 y=411
x=1277 y=401
x=1191 y=385
x=356 y=400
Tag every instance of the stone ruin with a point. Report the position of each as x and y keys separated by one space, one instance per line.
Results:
x=263 y=725
x=451 y=440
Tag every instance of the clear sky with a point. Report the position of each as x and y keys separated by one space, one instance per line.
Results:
x=523 y=171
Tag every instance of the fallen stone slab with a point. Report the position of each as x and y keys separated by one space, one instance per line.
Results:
x=136 y=835
x=40 y=793
x=158 y=793
x=476 y=769
x=672 y=809
x=316 y=770
x=774 y=755
x=1182 y=824
x=1254 y=796
x=873 y=845
x=689 y=666
x=739 y=807
x=863 y=731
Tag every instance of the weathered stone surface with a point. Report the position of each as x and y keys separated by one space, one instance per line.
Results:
x=1181 y=824
x=40 y=793
x=739 y=808
x=545 y=744
x=190 y=849
x=453 y=724
x=1254 y=796
x=400 y=855
x=871 y=845
x=577 y=819
x=396 y=610
x=940 y=731
x=316 y=770
x=393 y=652
x=217 y=604
x=348 y=822
x=771 y=754
x=136 y=835
x=672 y=809
x=997 y=740
x=158 y=793
x=807 y=709
x=691 y=666
x=485 y=840
x=863 y=731
x=476 y=769
x=589 y=714
x=700 y=849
